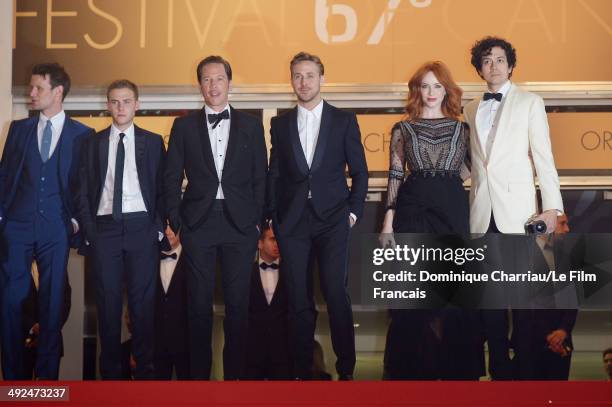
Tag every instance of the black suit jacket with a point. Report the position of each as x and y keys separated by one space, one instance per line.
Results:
x=244 y=171
x=171 y=313
x=150 y=159
x=290 y=179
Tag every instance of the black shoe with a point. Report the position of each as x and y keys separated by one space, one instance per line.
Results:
x=345 y=377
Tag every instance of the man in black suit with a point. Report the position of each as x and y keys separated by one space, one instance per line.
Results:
x=312 y=209
x=268 y=339
x=542 y=337
x=222 y=153
x=121 y=209
x=171 y=344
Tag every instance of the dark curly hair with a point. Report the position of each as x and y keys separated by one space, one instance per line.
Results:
x=483 y=48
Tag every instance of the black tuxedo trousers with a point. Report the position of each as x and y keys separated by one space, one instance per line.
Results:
x=327 y=242
x=217 y=236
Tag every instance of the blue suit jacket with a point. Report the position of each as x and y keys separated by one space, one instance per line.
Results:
x=19 y=137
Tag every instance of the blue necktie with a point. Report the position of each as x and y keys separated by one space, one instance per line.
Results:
x=45 y=145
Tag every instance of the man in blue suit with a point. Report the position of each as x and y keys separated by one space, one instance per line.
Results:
x=37 y=171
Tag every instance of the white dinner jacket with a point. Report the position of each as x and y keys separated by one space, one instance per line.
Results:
x=503 y=179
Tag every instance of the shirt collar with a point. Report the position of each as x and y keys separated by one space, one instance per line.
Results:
x=57 y=121
x=317 y=110
x=208 y=110
x=504 y=89
x=129 y=132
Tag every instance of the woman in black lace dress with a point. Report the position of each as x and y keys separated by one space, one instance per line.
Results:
x=429 y=160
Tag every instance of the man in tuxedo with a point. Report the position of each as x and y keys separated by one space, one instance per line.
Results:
x=509 y=138
x=171 y=344
x=121 y=209
x=542 y=337
x=312 y=209
x=268 y=339
x=222 y=153
x=37 y=219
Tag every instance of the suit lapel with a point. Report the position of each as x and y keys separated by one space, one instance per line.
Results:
x=500 y=123
x=294 y=136
x=64 y=148
x=31 y=133
x=233 y=140
x=140 y=146
x=324 y=134
x=103 y=141
x=471 y=112
x=202 y=126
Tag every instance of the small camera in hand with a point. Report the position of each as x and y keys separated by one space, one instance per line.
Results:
x=535 y=227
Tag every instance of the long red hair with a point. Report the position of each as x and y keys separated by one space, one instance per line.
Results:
x=451 y=105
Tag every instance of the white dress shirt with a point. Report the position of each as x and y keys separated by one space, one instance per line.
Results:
x=485 y=116
x=219 y=137
x=269 y=279
x=132 y=195
x=57 y=124
x=309 y=123
x=167 y=266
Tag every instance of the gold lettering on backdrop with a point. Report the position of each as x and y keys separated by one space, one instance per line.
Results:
x=143 y=23
x=260 y=22
x=538 y=19
x=112 y=19
x=170 y=23
x=50 y=15
x=194 y=20
x=19 y=14
x=368 y=145
x=589 y=10
x=383 y=22
x=322 y=16
x=596 y=17
x=386 y=141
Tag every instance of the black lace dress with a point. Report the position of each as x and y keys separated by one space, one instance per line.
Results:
x=429 y=158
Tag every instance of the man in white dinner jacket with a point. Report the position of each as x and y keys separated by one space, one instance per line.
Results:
x=509 y=140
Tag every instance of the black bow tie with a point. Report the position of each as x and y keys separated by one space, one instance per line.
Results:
x=496 y=96
x=263 y=265
x=164 y=256
x=215 y=119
